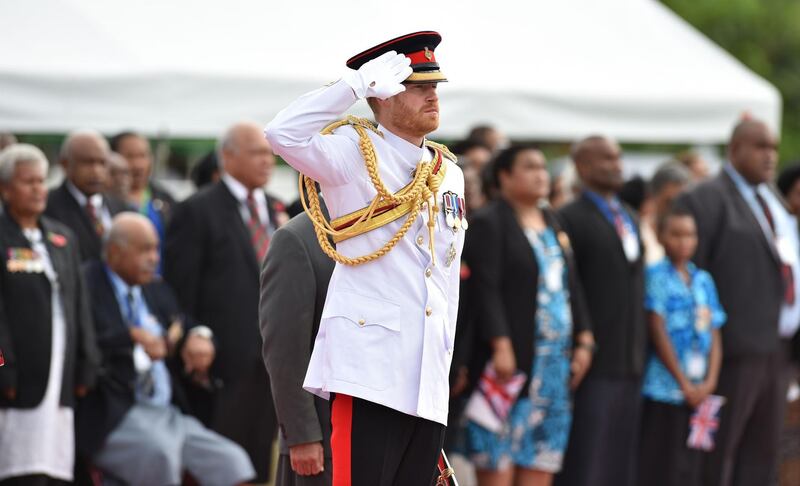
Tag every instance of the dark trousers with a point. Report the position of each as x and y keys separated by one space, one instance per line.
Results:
x=374 y=445
x=604 y=436
x=750 y=421
x=664 y=457
x=244 y=413
x=287 y=477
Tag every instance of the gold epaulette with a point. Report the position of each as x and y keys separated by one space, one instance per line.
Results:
x=443 y=148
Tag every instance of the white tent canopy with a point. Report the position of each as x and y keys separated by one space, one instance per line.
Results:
x=546 y=70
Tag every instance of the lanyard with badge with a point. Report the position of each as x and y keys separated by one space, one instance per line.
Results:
x=614 y=213
x=695 y=362
x=630 y=242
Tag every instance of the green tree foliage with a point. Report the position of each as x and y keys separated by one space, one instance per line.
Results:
x=765 y=36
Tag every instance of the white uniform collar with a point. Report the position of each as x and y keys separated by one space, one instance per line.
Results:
x=408 y=151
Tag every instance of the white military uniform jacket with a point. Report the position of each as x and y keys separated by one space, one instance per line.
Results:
x=388 y=326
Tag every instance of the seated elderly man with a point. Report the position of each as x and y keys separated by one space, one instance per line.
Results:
x=128 y=426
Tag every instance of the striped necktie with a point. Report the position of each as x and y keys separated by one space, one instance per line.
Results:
x=258 y=231
x=97 y=223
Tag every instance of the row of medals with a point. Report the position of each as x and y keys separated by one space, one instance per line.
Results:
x=455 y=211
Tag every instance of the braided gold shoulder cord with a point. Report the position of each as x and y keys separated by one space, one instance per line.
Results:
x=424 y=186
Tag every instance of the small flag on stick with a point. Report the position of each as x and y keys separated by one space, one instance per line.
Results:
x=704 y=423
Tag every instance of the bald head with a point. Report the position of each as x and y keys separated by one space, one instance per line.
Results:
x=246 y=155
x=84 y=156
x=131 y=249
x=753 y=151
x=746 y=128
x=598 y=163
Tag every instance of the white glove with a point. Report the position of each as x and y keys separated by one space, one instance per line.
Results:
x=381 y=77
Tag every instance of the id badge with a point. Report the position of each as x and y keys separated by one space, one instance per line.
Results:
x=702 y=320
x=787 y=253
x=631 y=247
x=554 y=277
x=695 y=366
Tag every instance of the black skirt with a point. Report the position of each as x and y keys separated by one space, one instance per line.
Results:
x=664 y=458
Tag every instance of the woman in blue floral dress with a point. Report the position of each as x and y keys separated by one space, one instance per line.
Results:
x=529 y=310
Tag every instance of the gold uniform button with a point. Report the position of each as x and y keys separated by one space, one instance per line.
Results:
x=428 y=272
x=361 y=322
x=428 y=311
x=420 y=240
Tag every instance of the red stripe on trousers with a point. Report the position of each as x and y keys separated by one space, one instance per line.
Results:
x=341 y=438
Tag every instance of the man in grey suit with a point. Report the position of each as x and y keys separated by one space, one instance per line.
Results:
x=294 y=284
x=749 y=243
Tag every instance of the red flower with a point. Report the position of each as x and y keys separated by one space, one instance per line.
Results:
x=465 y=271
x=2 y=358
x=57 y=239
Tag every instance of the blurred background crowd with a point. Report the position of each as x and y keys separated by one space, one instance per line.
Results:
x=129 y=325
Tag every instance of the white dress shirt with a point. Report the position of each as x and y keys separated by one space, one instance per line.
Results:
x=96 y=201
x=387 y=329
x=240 y=193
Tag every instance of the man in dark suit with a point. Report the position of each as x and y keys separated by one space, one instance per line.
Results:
x=213 y=251
x=79 y=202
x=748 y=242
x=294 y=284
x=608 y=255
x=129 y=426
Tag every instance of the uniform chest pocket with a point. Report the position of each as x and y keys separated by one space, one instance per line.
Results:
x=364 y=339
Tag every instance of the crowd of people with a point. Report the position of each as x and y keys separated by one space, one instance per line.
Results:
x=150 y=341
x=129 y=322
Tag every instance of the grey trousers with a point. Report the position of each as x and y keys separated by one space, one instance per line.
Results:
x=153 y=445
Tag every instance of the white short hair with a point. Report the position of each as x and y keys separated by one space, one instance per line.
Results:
x=66 y=147
x=229 y=139
x=20 y=153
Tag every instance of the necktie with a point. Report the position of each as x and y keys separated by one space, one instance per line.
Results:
x=258 y=232
x=132 y=320
x=619 y=221
x=786 y=269
x=97 y=223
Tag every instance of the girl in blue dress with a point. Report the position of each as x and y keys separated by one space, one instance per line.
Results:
x=530 y=312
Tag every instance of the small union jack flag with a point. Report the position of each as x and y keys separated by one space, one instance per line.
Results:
x=704 y=423
x=500 y=396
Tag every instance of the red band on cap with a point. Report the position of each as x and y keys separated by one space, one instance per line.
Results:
x=421 y=57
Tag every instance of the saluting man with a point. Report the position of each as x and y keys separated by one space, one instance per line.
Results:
x=383 y=351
